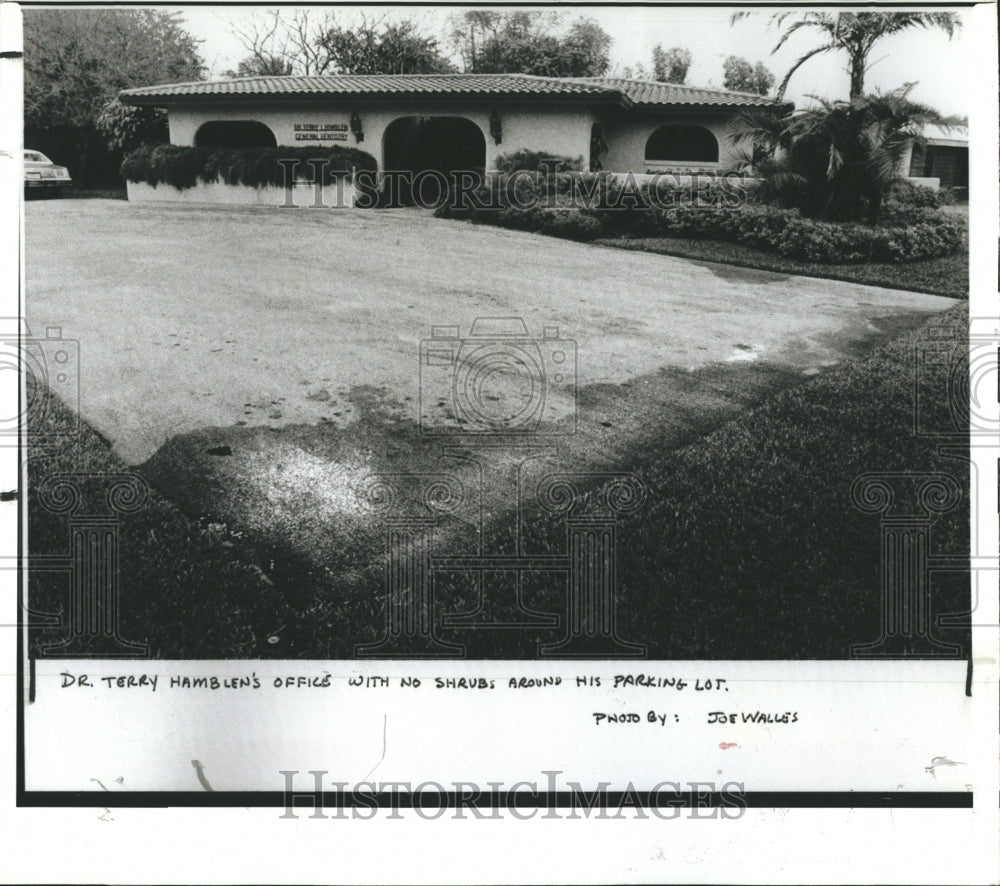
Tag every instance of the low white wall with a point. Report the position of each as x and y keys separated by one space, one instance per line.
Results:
x=932 y=183
x=684 y=179
x=303 y=195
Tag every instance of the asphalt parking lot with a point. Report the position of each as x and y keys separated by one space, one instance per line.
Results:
x=190 y=318
x=289 y=341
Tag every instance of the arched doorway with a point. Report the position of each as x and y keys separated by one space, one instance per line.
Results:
x=234 y=134
x=439 y=144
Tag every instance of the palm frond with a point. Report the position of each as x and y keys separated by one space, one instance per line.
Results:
x=826 y=47
x=797 y=26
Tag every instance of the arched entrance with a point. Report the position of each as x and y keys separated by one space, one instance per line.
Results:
x=441 y=144
x=234 y=134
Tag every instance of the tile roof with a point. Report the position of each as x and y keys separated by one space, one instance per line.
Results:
x=957 y=136
x=618 y=90
x=653 y=92
x=375 y=84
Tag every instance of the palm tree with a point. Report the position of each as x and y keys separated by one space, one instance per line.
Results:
x=856 y=33
x=837 y=159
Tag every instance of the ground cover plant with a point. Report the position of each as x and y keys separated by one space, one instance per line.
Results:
x=947 y=275
x=583 y=206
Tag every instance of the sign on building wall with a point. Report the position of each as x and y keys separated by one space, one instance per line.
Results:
x=325 y=132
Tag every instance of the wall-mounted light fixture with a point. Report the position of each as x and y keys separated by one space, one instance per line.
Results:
x=356 y=128
x=496 y=127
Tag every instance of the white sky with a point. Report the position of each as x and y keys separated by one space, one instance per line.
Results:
x=941 y=67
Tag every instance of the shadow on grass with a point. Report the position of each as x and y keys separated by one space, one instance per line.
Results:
x=948 y=275
x=748 y=545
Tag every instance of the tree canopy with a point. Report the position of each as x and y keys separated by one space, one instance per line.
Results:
x=671 y=65
x=539 y=43
x=855 y=33
x=741 y=76
x=75 y=63
x=311 y=44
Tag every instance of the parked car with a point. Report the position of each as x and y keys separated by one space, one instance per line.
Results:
x=42 y=176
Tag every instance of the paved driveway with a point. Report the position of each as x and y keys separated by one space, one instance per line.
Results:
x=195 y=318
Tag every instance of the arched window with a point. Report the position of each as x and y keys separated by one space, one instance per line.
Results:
x=234 y=134
x=675 y=143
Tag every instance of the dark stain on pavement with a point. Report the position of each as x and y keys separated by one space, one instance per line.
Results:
x=286 y=499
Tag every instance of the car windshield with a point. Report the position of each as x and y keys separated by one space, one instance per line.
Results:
x=35 y=157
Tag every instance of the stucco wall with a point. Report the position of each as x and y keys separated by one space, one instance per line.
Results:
x=301 y=196
x=562 y=130
x=627 y=135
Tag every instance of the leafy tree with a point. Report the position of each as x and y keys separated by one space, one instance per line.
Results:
x=292 y=44
x=395 y=48
x=837 y=160
x=740 y=76
x=306 y=44
x=586 y=47
x=638 y=71
x=126 y=128
x=530 y=43
x=671 y=65
x=855 y=33
x=76 y=62
x=470 y=31
x=262 y=66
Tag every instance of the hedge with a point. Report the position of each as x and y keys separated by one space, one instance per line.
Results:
x=913 y=230
x=184 y=167
x=531 y=161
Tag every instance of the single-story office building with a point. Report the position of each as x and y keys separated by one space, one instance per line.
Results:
x=940 y=160
x=465 y=121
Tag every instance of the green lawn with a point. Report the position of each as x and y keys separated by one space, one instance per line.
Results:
x=941 y=276
x=750 y=541
x=182 y=591
x=748 y=545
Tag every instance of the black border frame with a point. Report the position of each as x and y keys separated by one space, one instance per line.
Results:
x=519 y=800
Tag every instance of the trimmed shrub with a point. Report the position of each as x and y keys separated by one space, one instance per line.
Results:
x=911 y=231
x=531 y=161
x=906 y=193
x=572 y=224
x=520 y=219
x=945 y=236
x=810 y=240
x=182 y=167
